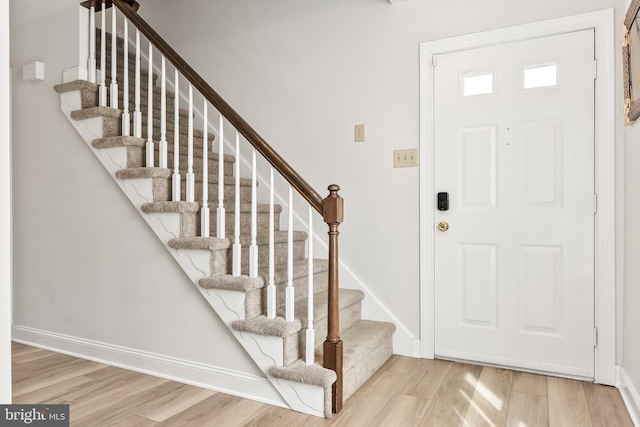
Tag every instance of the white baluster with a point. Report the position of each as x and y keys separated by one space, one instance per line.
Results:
x=114 y=60
x=175 y=178
x=253 y=248
x=271 y=287
x=150 y=144
x=190 y=177
x=102 y=92
x=126 y=117
x=220 y=214
x=237 y=247
x=289 y=315
x=137 y=114
x=92 y=43
x=311 y=333
x=204 y=212
x=162 y=155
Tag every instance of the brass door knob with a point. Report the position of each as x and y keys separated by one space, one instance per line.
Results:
x=443 y=226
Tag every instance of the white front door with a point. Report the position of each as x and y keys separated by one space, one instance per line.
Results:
x=514 y=151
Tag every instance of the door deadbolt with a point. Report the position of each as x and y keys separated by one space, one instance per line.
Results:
x=443 y=226
x=443 y=201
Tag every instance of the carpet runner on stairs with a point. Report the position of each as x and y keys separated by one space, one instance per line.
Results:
x=367 y=344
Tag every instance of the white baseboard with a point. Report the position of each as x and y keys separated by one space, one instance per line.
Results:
x=630 y=396
x=210 y=377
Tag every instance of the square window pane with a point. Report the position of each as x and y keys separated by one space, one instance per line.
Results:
x=541 y=76
x=479 y=84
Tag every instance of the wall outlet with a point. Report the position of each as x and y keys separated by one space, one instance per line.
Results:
x=407 y=158
x=358 y=133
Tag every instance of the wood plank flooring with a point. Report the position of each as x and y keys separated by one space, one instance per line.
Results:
x=405 y=392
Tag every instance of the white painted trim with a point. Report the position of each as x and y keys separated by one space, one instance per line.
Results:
x=5 y=207
x=183 y=371
x=631 y=396
x=603 y=23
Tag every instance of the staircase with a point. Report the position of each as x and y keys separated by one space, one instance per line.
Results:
x=276 y=345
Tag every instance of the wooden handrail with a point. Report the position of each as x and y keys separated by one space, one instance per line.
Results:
x=292 y=177
x=107 y=4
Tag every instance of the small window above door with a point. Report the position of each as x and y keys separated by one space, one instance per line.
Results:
x=539 y=76
x=478 y=83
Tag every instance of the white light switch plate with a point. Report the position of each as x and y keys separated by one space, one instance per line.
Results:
x=407 y=158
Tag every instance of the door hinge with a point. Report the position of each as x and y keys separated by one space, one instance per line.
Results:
x=595 y=337
x=595 y=203
x=433 y=61
x=595 y=69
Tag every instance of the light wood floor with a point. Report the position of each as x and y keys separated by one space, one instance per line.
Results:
x=405 y=392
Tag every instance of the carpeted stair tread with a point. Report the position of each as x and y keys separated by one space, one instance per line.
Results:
x=75 y=85
x=245 y=208
x=183 y=206
x=144 y=107
x=88 y=91
x=348 y=297
x=278 y=327
x=156 y=93
x=184 y=145
x=183 y=137
x=156 y=172
x=300 y=269
x=92 y=112
x=197 y=156
x=233 y=283
x=363 y=338
x=262 y=325
x=244 y=283
x=167 y=207
x=139 y=173
x=366 y=347
x=183 y=131
x=278 y=237
x=315 y=374
x=206 y=243
x=124 y=141
x=117 y=141
x=300 y=372
x=183 y=123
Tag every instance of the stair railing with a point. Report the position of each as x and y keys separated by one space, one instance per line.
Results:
x=331 y=207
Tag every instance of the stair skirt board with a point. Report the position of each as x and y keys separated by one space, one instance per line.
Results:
x=225 y=381
x=304 y=388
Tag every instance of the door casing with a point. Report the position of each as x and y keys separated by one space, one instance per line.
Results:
x=605 y=269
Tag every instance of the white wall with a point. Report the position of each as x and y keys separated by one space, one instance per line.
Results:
x=90 y=276
x=303 y=73
x=5 y=209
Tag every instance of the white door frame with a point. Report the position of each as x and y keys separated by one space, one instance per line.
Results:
x=603 y=24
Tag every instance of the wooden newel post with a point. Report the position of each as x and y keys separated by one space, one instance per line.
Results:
x=333 y=210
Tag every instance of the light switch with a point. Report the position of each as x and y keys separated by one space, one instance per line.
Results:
x=358 y=133
x=407 y=158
